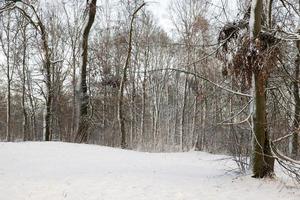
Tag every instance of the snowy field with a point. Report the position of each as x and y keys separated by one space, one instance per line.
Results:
x=56 y=171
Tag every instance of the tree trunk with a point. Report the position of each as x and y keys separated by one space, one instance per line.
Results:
x=183 y=136
x=8 y=100
x=295 y=137
x=83 y=124
x=176 y=135
x=8 y=107
x=133 y=110
x=32 y=105
x=74 y=117
x=195 y=122
x=26 y=134
x=49 y=92
x=121 y=117
x=263 y=162
x=143 y=119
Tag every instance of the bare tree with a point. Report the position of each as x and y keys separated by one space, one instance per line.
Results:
x=122 y=84
x=83 y=124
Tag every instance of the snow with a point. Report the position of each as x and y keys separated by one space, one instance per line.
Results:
x=48 y=171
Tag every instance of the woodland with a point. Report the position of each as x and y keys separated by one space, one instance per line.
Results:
x=107 y=73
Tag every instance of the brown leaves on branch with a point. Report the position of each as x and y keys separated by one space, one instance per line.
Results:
x=240 y=60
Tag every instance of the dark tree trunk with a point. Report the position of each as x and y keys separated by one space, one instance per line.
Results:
x=49 y=92
x=121 y=117
x=295 y=137
x=26 y=134
x=9 y=136
x=83 y=124
x=263 y=162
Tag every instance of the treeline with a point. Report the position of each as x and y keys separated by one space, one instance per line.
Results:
x=181 y=92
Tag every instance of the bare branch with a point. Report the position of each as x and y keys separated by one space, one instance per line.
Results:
x=201 y=77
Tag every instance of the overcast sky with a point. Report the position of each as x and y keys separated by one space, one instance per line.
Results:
x=159 y=8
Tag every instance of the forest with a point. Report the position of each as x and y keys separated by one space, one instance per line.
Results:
x=222 y=78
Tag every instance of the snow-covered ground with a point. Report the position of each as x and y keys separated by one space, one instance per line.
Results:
x=56 y=171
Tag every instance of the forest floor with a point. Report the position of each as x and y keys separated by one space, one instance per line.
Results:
x=62 y=171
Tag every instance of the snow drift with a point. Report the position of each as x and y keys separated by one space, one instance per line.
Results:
x=54 y=171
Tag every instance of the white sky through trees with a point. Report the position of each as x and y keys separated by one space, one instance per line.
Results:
x=160 y=10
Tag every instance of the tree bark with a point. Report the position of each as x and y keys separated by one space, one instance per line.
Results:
x=121 y=117
x=26 y=134
x=183 y=136
x=263 y=162
x=143 y=118
x=49 y=92
x=83 y=123
x=8 y=100
x=295 y=137
x=32 y=105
